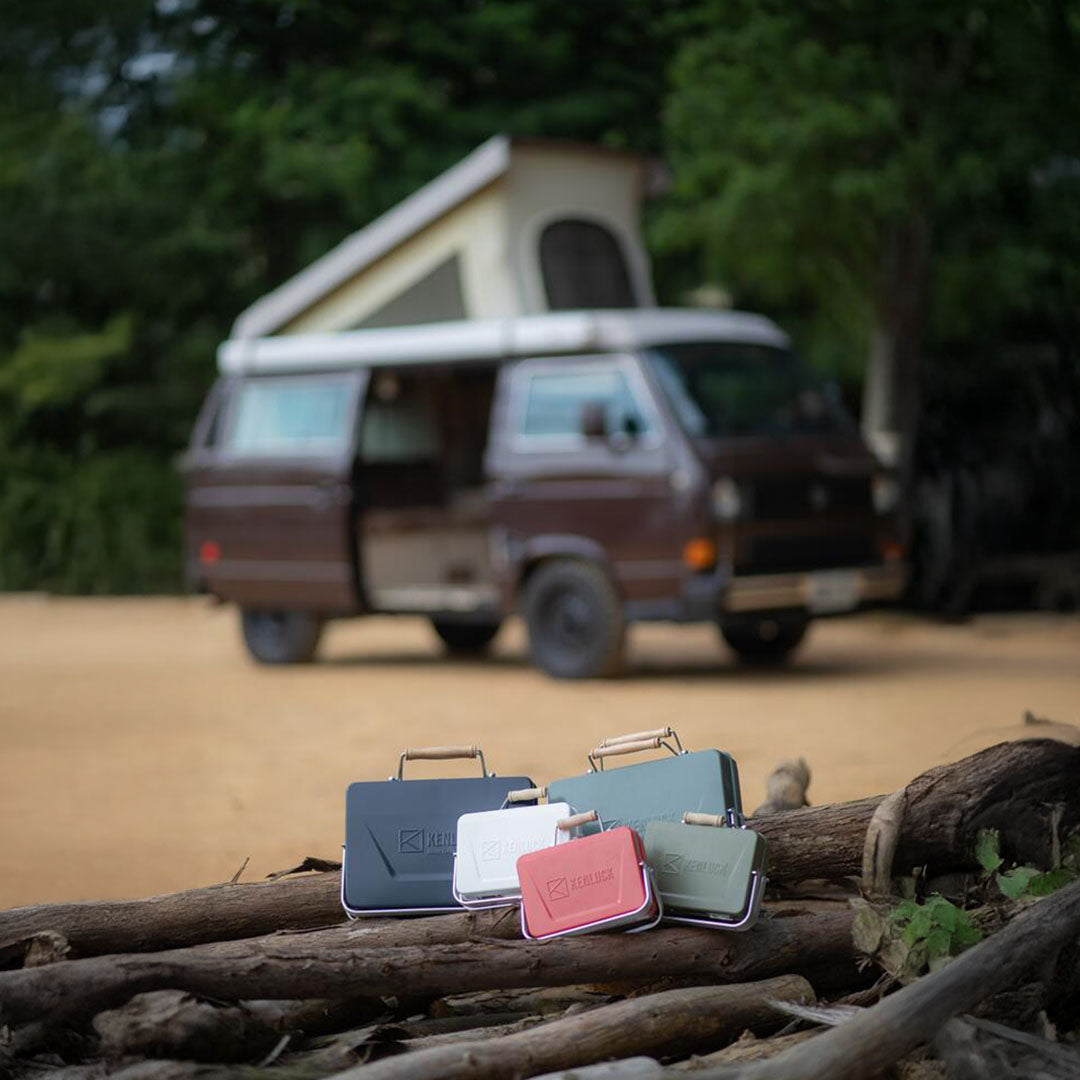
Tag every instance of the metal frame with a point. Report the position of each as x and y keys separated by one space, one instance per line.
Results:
x=757 y=890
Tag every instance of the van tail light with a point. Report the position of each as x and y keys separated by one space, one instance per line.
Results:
x=209 y=552
x=700 y=553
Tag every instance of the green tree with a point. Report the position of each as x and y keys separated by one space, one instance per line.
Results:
x=837 y=158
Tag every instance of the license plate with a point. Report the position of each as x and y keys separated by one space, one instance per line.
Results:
x=832 y=590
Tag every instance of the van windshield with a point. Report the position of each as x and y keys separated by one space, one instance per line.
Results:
x=725 y=388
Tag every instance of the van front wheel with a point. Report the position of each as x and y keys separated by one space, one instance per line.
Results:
x=281 y=637
x=465 y=638
x=766 y=639
x=575 y=620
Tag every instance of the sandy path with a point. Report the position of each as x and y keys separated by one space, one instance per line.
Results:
x=141 y=752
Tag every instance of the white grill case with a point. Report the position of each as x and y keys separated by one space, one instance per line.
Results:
x=488 y=846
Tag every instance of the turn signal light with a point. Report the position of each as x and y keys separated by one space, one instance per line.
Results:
x=209 y=552
x=700 y=553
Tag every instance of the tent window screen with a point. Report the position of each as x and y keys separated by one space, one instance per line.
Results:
x=583 y=267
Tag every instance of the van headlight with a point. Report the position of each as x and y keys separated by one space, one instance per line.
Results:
x=727 y=499
x=886 y=491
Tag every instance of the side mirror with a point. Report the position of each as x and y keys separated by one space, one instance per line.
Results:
x=594 y=423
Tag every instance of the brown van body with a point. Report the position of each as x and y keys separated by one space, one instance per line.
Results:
x=457 y=529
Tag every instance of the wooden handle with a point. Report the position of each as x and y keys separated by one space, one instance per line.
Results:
x=627 y=748
x=440 y=753
x=639 y=736
x=692 y=818
x=572 y=822
x=529 y=794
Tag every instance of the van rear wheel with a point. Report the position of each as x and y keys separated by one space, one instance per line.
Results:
x=575 y=620
x=767 y=639
x=281 y=637
x=465 y=638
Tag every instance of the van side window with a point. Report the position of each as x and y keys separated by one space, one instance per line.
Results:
x=555 y=403
x=291 y=416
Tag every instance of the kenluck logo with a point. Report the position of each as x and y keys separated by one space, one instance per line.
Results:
x=558 y=889
x=411 y=841
x=489 y=850
x=672 y=864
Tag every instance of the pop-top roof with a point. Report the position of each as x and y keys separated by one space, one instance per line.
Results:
x=486 y=164
x=569 y=332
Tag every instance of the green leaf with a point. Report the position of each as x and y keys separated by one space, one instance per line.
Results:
x=965 y=934
x=943 y=912
x=903 y=911
x=938 y=943
x=920 y=925
x=987 y=850
x=1045 y=884
x=1015 y=883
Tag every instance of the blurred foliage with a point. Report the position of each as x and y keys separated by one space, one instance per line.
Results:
x=162 y=164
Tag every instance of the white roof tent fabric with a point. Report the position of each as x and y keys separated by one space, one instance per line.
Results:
x=561 y=333
x=539 y=181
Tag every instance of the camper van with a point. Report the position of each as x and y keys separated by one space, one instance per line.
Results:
x=584 y=469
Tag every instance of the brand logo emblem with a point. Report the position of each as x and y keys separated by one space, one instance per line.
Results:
x=672 y=863
x=558 y=889
x=489 y=850
x=411 y=841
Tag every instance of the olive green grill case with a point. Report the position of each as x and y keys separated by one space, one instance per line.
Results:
x=705 y=781
x=707 y=873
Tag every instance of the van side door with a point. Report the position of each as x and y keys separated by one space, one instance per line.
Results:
x=559 y=490
x=269 y=492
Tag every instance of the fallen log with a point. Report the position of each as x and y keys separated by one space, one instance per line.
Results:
x=743 y=1050
x=300 y=966
x=169 y=1023
x=1009 y=787
x=216 y=913
x=671 y=1022
x=876 y=1038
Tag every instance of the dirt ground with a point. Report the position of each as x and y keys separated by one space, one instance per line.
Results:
x=141 y=752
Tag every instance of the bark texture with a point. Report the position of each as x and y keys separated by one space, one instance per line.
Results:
x=304 y=966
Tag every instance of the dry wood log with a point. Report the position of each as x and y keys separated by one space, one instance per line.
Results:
x=879 y=1036
x=545 y=1001
x=314 y=1016
x=746 y=1049
x=297 y=966
x=639 y=1068
x=170 y=1023
x=456 y=929
x=672 y=1022
x=217 y=913
x=1009 y=787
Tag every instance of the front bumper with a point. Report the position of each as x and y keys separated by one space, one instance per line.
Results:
x=804 y=590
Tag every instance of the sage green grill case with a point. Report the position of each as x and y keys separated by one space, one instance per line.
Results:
x=706 y=875
x=704 y=781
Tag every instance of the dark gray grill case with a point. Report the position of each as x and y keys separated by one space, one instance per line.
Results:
x=400 y=836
